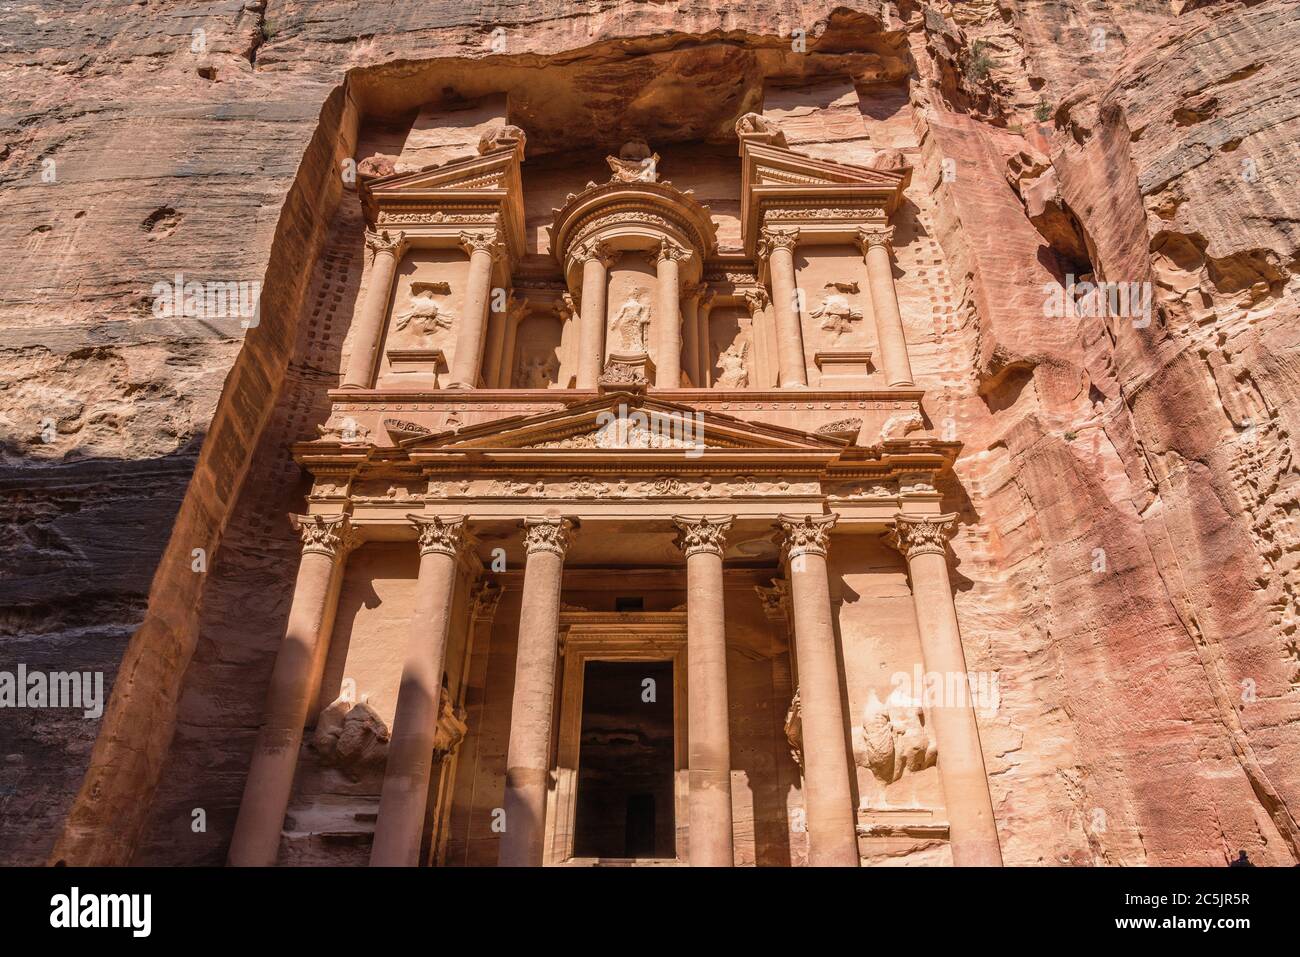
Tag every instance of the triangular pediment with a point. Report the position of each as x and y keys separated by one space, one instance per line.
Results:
x=626 y=423
x=490 y=171
x=776 y=166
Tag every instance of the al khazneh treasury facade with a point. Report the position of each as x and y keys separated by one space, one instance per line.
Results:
x=620 y=535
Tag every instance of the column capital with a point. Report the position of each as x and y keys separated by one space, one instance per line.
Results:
x=484 y=601
x=330 y=535
x=774 y=238
x=756 y=299
x=439 y=535
x=806 y=534
x=869 y=236
x=670 y=251
x=698 y=291
x=488 y=241
x=547 y=535
x=596 y=249
x=922 y=534
x=703 y=535
x=382 y=241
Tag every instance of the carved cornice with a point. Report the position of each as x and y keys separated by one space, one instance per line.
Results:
x=869 y=236
x=773 y=239
x=438 y=535
x=704 y=535
x=915 y=535
x=383 y=241
x=807 y=534
x=329 y=535
x=547 y=535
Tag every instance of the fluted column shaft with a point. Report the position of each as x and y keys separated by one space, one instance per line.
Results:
x=386 y=249
x=596 y=259
x=777 y=246
x=668 y=319
x=256 y=840
x=709 y=744
x=884 y=304
x=973 y=832
x=828 y=796
x=528 y=757
x=402 y=801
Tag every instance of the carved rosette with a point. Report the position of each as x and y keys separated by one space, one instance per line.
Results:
x=807 y=534
x=922 y=534
x=547 y=535
x=439 y=536
x=774 y=239
x=704 y=535
x=869 y=236
x=329 y=535
x=485 y=242
x=383 y=241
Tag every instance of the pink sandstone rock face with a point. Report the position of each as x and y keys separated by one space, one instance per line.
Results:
x=1126 y=561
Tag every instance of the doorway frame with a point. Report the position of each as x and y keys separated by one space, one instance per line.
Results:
x=613 y=636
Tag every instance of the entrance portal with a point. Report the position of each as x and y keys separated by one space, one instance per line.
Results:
x=625 y=761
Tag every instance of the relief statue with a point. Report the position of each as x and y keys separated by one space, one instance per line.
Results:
x=630 y=324
x=537 y=372
x=836 y=312
x=732 y=363
x=426 y=315
x=893 y=739
x=635 y=163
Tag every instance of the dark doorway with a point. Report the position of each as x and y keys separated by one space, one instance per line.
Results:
x=625 y=761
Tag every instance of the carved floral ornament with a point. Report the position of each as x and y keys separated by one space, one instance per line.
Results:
x=547 y=535
x=869 y=236
x=384 y=241
x=488 y=242
x=596 y=249
x=704 y=535
x=439 y=536
x=774 y=239
x=922 y=535
x=328 y=535
x=807 y=534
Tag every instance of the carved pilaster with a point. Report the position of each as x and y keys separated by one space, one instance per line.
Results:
x=806 y=535
x=922 y=534
x=329 y=535
x=705 y=534
x=547 y=535
x=437 y=535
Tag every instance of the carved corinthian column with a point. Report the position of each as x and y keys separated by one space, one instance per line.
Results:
x=385 y=249
x=875 y=241
x=668 y=316
x=973 y=832
x=528 y=758
x=709 y=744
x=777 y=247
x=326 y=540
x=596 y=258
x=483 y=249
x=832 y=833
x=415 y=722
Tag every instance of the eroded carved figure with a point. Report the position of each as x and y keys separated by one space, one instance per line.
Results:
x=630 y=323
x=836 y=313
x=734 y=375
x=351 y=736
x=426 y=315
x=893 y=739
x=635 y=163
x=537 y=372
